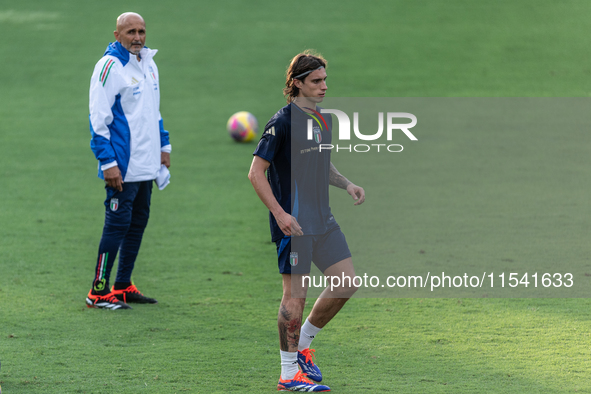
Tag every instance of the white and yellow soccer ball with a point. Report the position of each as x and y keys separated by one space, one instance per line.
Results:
x=242 y=126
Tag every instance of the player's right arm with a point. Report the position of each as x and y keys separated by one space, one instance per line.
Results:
x=103 y=91
x=287 y=223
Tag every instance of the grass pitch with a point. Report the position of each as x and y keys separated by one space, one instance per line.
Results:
x=206 y=254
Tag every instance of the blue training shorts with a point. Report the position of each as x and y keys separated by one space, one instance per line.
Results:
x=295 y=254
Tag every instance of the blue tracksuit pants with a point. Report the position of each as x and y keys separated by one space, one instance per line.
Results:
x=126 y=217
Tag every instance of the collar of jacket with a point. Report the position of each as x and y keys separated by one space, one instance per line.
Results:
x=119 y=51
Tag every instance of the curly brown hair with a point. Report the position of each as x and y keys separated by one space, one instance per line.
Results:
x=302 y=63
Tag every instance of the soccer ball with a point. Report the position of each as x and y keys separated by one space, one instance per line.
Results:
x=242 y=126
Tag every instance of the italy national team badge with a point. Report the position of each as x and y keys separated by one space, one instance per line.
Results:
x=293 y=258
x=317 y=135
x=114 y=204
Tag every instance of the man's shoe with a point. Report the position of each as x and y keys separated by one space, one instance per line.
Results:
x=132 y=294
x=300 y=383
x=307 y=365
x=108 y=301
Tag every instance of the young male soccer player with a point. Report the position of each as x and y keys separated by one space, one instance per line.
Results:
x=296 y=192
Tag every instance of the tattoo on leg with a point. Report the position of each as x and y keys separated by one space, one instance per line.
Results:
x=294 y=325
x=283 y=345
x=289 y=329
x=283 y=317
x=284 y=312
x=293 y=332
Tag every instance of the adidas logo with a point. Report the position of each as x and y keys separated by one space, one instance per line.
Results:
x=271 y=131
x=134 y=81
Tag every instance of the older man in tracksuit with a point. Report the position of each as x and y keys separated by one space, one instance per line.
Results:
x=130 y=143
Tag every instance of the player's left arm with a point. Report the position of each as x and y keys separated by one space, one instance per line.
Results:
x=336 y=179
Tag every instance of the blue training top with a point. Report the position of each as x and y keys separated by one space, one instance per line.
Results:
x=299 y=171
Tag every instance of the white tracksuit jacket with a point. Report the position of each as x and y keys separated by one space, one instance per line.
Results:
x=125 y=122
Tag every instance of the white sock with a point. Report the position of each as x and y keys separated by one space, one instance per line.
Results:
x=307 y=334
x=289 y=365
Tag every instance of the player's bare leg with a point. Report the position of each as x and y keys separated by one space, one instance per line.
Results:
x=325 y=308
x=289 y=320
x=330 y=302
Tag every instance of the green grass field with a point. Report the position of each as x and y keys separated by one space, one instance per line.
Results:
x=207 y=255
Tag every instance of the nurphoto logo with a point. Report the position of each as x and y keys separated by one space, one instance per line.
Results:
x=345 y=130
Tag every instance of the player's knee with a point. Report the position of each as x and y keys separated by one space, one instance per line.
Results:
x=347 y=291
x=291 y=306
x=295 y=295
x=343 y=286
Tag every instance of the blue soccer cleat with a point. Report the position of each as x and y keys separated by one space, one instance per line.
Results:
x=307 y=365
x=300 y=383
